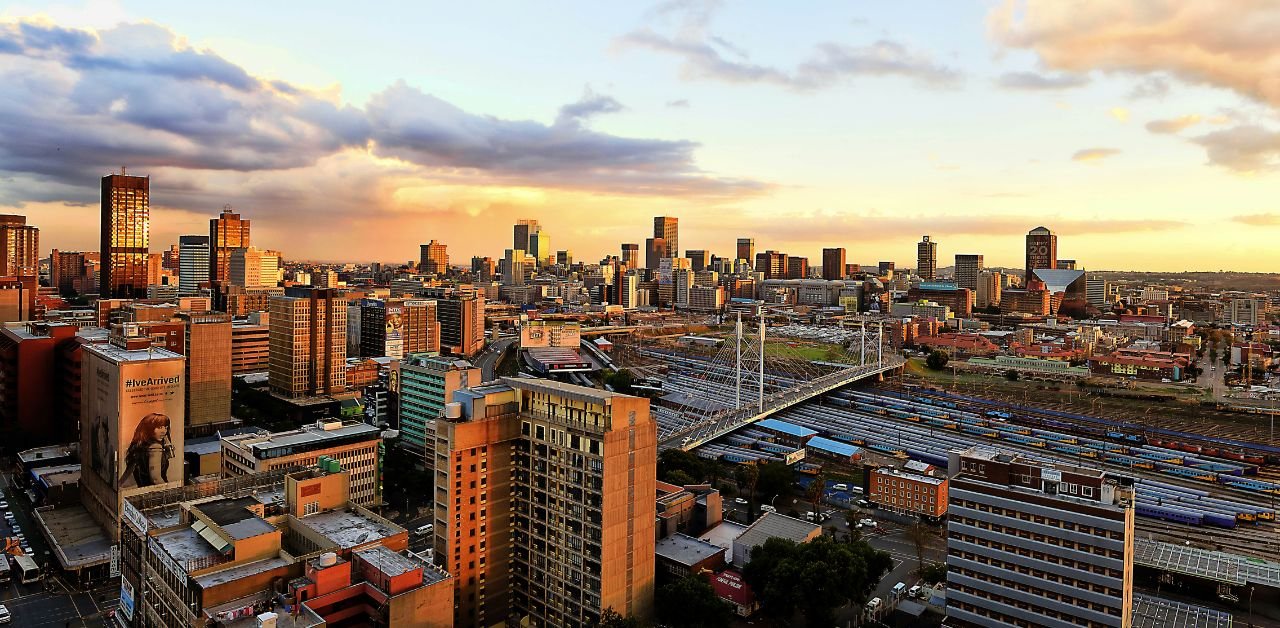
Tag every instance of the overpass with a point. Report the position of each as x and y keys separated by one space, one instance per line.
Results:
x=726 y=421
x=1231 y=569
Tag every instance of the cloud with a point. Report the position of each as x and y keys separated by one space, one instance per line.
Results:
x=1191 y=40
x=591 y=104
x=1033 y=81
x=706 y=56
x=1243 y=148
x=1173 y=125
x=1150 y=87
x=1258 y=220
x=678 y=104
x=1094 y=154
x=817 y=227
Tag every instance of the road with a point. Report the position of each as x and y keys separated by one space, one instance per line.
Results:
x=487 y=360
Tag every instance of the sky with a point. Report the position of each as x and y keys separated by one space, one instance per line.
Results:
x=1146 y=134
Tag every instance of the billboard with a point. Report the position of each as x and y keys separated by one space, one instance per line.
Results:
x=135 y=417
x=395 y=331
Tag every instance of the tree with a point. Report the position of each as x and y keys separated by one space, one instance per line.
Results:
x=919 y=535
x=775 y=478
x=815 y=577
x=611 y=619
x=1011 y=375
x=937 y=359
x=673 y=460
x=620 y=381
x=935 y=573
x=691 y=601
x=680 y=478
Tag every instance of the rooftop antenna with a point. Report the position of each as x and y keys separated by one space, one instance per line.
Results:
x=123 y=171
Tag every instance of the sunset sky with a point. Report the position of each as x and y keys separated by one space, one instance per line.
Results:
x=1146 y=134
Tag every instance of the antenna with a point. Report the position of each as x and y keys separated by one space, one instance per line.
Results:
x=123 y=171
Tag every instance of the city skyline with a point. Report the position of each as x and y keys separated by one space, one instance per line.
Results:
x=973 y=132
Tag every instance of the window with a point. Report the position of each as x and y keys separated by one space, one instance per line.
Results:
x=311 y=508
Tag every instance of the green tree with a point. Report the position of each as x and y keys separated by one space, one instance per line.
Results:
x=673 y=460
x=620 y=381
x=937 y=572
x=680 y=478
x=775 y=478
x=919 y=535
x=691 y=601
x=815 y=577
x=937 y=359
x=611 y=619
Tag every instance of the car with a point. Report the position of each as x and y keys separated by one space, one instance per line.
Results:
x=874 y=603
x=5 y=617
x=840 y=487
x=858 y=526
x=915 y=591
x=768 y=508
x=426 y=529
x=870 y=523
x=4 y=504
x=899 y=588
x=863 y=503
x=740 y=501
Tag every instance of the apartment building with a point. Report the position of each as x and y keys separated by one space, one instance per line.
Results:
x=913 y=489
x=308 y=336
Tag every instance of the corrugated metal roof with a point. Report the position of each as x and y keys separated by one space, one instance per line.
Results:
x=833 y=446
x=786 y=428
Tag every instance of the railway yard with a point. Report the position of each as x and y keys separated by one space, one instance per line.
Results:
x=1219 y=492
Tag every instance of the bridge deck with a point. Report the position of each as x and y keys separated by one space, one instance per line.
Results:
x=729 y=420
x=1207 y=564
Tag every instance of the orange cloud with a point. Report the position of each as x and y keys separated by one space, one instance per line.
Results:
x=1258 y=220
x=1173 y=125
x=1094 y=155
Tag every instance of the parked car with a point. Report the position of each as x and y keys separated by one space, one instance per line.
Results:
x=740 y=501
x=915 y=591
x=426 y=529
x=840 y=487
x=899 y=588
x=874 y=603
x=863 y=503
x=5 y=617
x=768 y=508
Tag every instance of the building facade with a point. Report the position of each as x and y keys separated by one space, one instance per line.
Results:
x=308 y=343
x=208 y=371
x=354 y=444
x=908 y=491
x=1042 y=250
x=193 y=263
x=833 y=264
x=968 y=269
x=1036 y=545
x=126 y=236
x=667 y=229
x=227 y=233
x=434 y=258
x=19 y=247
x=927 y=259
x=423 y=384
x=545 y=509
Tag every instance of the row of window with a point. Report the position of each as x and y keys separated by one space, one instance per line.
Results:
x=1047 y=557
x=1022 y=515
x=995 y=614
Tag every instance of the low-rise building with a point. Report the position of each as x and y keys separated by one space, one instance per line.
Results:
x=689 y=509
x=772 y=525
x=680 y=555
x=914 y=490
x=354 y=444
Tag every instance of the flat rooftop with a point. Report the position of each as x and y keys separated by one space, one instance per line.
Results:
x=394 y=564
x=184 y=545
x=241 y=571
x=307 y=436
x=58 y=475
x=349 y=529
x=119 y=354
x=77 y=540
x=37 y=454
x=686 y=550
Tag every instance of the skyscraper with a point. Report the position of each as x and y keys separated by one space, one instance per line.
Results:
x=967 y=269
x=631 y=255
x=700 y=260
x=520 y=235
x=546 y=513
x=773 y=264
x=252 y=267
x=208 y=371
x=308 y=342
x=461 y=316
x=747 y=249
x=19 y=247
x=668 y=229
x=434 y=258
x=227 y=232
x=797 y=267
x=654 y=250
x=1042 y=250
x=193 y=263
x=833 y=263
x=126 y=235
x=927 y=259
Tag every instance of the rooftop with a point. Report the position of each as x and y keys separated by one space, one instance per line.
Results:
x=77 y=539
x=918 y=477
x=773 y=525
x=240 y=571
x=185 y=545
x=832 y=446
x=791 y=429
x=37 y=454
x=350 y=529
x=120 y=354
x=686 y=550
x=310 y=435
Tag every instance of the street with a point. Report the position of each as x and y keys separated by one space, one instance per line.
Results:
x=487 y=360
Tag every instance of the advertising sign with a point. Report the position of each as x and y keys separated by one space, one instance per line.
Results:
x=134 y=412
x=126 y=598
x=395 y=331
x=1051 y=475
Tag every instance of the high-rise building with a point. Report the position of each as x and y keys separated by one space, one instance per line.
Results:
x=539 y=515
x=354 y=444
x=73 y=271
x=423 y=384
x=397 y=328
x=654 y=250
x=988 y=291
x=227 y=233
x=1245 y=311
x=631 y=255
x=126 y=235
x=461 y=316
x=1032 y=543
x=885 y=269
x=435 y=258
x=927 y=259
x=1065 y=264
x=18 y=298
x=524 y=228
x=250 y=345
x=833 y=264
x=747 y=249
x=208 y=369
x=797 y=267
x=39 y=384
x=967 y=269
x=19 y=247
x=772 y=263
x=252 y=267
x=540 y=247
x=513 y=271
x=1097 y=291
x=308 y=342
x=1042 y=250
x=193 y=263
x=699 y=260
x=564 y=258
x=131 y=423
x=667 y=228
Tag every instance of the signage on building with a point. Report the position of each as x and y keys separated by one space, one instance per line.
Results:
x=135 y=518
x=153 y=546
x=1051 y=475
x=794 y=457
x=115 y=561
x=126 y=598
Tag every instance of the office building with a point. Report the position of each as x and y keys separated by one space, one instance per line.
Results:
x=1036 y=544
x=1065 y=264
x=73 y=271
x=631 y=255
x=19 y=247
x=513 y=267
x=308 y=343
x=461 y=316
x=193 y=263
x=1098 y=292
x=131 y=418
x=915 y=489
x=434 y=259
x=968 y=268
x=354 y=444
x=285 y=548
x=667 y=229
x=885 y=269
x=772 y=263
x=797 y=267
x=988 y=290
x=927 y=259
x=564 y=258
x=1246 y=311
x=746 y=249
x=208 y=382
x=40 y=382
x=1042 y=250
x=698 y=260
x=227 y=233
x=126 y=236
x=423 y=384
x=253 y=268
x=250 y=345
x=18 y=298
x=545 y=511
x=833 y=264
x=654 y=250
x=525 y=233
x=397 y=328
